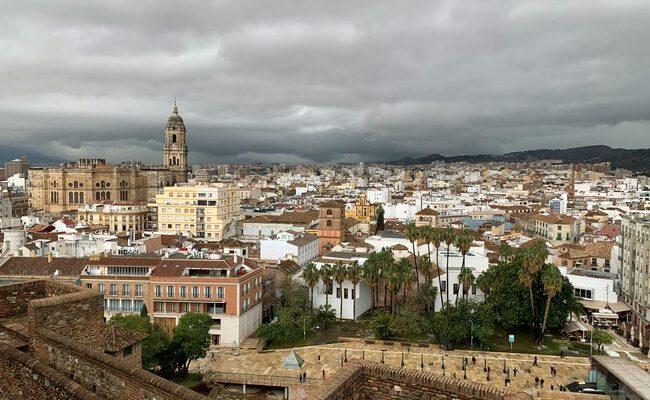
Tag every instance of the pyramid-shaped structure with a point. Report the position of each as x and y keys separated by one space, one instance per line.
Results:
x=293 y=361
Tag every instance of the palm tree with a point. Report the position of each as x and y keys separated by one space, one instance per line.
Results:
x=426 y=234
x=463 y=244
x=426 y=268
x=448 y=238
x=413 y=234
x=355 y=273
x=340 y=273
x=552 y=280
x=526 y=279
x=436 y=238
x=505 y=251
x=386 y=261
x=405 y=276
x=371 y=274
x=467 y=280
x=484 y=282
x=326 y=276
x=394 y=283
x=311 y=277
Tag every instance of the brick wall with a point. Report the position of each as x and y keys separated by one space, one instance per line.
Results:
x=14 y=299
x=23 y=377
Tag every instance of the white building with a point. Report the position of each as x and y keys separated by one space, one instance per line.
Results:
x=290 y=245
x=378 y=196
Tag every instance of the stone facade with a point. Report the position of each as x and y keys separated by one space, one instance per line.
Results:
x=330 y=225
x=68 y=187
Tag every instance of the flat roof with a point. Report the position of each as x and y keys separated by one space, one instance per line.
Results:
x=629 y=373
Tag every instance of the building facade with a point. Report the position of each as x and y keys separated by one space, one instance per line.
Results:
x=330 y=225
x=120 y=217
x=635 y=279
x=209 y=212
x=70 y=186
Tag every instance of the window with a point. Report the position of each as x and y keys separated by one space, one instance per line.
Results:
x=101 y=288
x=329 y=212
x=195 y=292
x=455 y=288
x=138 y=290
x=158 y=307
x=220 y=292
x=338 y=292
x=127 y=352
x=473 y=289
x=443 y=288
x=345 y=293
x=126 y=289
x=183 y=291
x=158 y=291
x=89 y=285
x=583 y=293
x=170 y=291
x=113 y=289
x=329 y=222
x=354 y=293
x=208 y=292
x=137 y=305
x=114 y=305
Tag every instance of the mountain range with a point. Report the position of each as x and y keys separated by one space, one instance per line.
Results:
x=636 y=160
x=35 y=158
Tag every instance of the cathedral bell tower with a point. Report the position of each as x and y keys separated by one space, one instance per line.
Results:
x=175 y=147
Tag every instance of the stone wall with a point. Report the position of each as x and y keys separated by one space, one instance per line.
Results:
x=361 y=380
x=14 y=299
x=107 y=376
x=23 y=377
x=78 y=315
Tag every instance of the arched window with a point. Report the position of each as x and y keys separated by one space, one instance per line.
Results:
x=81 y=197
x=103 y=195
x=174 y=160
x=76 y=197
x=103 y=184
x=174 y=138
x=96 y=195
x=329 y=222
x=329 y=212
x=70 y=198
x=76 y=184
x=108 y=195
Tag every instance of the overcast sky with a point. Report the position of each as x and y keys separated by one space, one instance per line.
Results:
x=323 y=81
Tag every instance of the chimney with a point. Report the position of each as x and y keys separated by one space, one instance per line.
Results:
x=50 y=257
x=236 y=259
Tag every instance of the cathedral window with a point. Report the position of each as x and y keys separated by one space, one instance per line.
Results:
x=97 y=196
x=70 y=197
x=76 y=197
x=174 y=138
x=81 y=197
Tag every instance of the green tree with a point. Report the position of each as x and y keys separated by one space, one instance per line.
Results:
x=326 y=271
x=325 y=315
x=380 y=218
x=413 y=234
x=602 y=337
x=371 y=273
x=484 y=282
x=552 y=281
x=448 y=238
x=466 y=279
x=191 y=339
x=381 y=325
x=153 y=345
x=311 y=277
x=340 y=273
x=436 y=239
x=463 y=244
x=453 y=324
x=143 y=311
x=355 y=274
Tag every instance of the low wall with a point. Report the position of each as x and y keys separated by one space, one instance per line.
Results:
x=23 y=377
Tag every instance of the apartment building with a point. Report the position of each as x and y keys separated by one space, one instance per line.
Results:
x=208 y=211
x=229 y=290
x=120 y=217
x=554 y=228
x=290 y=245
x=634 y=272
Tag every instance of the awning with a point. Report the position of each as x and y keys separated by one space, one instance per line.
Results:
x=619 y=307
x=594 y=304
x=575 y=326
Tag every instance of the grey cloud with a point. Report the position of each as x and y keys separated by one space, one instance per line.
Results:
x=324 y=81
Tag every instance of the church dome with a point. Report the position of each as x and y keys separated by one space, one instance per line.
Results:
x=175 y=121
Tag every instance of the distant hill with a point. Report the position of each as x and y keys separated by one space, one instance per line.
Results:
x=636 y=160
x=35 y=158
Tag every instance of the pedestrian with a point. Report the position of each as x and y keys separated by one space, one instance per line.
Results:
x=552 y=367
x=488 y=369
x=535 y=361
x=319 y=358
x=300 y=378
x=304 y=376
x=474 y=360
x=514 y=371
x=541 y=383
x=323 y=373
x=562 y=354
x=536 y=381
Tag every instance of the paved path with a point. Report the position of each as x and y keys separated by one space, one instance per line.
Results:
x=569 y=369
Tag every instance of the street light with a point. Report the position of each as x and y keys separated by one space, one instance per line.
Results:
x=471 y=338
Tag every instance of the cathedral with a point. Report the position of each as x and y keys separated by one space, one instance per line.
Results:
x=69 y=186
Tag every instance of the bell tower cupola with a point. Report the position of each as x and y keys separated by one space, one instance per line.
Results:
x=175 y=147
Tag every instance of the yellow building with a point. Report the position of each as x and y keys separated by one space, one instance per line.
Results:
x=120 y=217
x=364 y=210
x=209 y=211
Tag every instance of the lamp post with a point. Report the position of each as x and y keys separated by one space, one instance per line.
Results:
x=471 y=337
x=485 y=364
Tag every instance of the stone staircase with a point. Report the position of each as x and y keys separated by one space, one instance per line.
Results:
x=251 y=343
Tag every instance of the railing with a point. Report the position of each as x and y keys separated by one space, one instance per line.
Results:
x=255 y=379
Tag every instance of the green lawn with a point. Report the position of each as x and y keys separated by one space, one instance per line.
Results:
x=324 y=336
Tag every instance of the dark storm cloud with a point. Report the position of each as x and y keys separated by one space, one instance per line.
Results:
x=313 y=81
